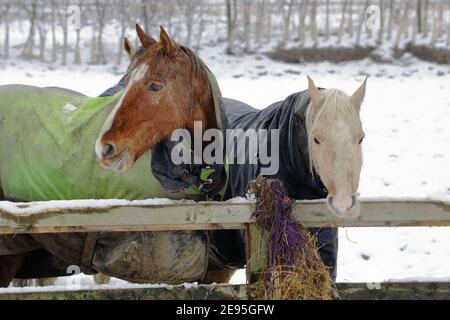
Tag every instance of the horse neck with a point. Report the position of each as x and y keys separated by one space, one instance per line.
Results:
x=303 y=160
x=204 y=110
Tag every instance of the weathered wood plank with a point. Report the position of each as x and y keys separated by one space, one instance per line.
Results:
x=380 y=213
x=395 y=291
x=177 y=216
x=220 y=215
x=201 y=292
x=256 y=255
x=347 y=291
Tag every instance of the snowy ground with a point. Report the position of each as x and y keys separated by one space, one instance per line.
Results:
x=406 y=118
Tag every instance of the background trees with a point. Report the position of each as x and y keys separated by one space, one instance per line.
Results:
x=41 y=29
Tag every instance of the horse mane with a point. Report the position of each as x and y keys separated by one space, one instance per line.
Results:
x=198 y=70
x=196 y=67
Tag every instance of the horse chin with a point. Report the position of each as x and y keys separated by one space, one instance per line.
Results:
x=124 y=162
x=350 y=213
x=121 y=163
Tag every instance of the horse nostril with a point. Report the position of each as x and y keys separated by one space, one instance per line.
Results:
x=330 y=201
x=108 y=151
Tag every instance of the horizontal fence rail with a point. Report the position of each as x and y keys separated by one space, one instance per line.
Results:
x=97 y=216
x=187 y=215
x=346 y=291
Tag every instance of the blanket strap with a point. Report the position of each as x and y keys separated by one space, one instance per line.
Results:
x=88 y=252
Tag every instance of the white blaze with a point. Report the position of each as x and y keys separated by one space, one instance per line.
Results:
x=138 y=74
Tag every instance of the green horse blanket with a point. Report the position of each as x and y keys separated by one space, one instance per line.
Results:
x=47 y=138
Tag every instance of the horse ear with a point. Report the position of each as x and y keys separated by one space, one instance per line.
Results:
x=129 y=48
x=313 y=92
x=146 y=40
x=168 y=44
x=358 y=97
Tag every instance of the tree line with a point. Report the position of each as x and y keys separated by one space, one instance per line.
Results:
x=333 y=22
x=54 y=33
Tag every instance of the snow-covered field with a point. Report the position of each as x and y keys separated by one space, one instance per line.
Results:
x=406 y=117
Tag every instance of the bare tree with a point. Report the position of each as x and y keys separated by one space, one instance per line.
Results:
x=403 y=24
x=247 y=20
x=269 y=23
x=260 y=14
x=301 y=21
x=415 y=25
x=190 y=11
x=53 y=14
x=77 y=49
x=419 y=15
x=438 y=14
x=144 y=15
x=286 y=12
x=31 y=11
x=391 y=18
x=168 y=14
x=6 y=7
x=314 y=31
x=231 y=9
x=64 y=17
x=42 y=31
x=425 y=11
x=123 y=8
x=381 y=26
x=342 y=24
x=440 y=18
x=350 y=18
x=448 y=26
x=327 y=19
x=201 y=25
x=100 y=9
x=362 y=18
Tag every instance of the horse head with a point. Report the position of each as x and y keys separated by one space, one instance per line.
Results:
x=335 y=136
x=166 y=88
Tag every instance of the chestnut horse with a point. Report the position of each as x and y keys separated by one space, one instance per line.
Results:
x=167 y=88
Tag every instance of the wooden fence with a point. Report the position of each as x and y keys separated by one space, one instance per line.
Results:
x=185 y=215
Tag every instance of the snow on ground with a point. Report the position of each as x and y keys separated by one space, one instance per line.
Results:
x=405 y=115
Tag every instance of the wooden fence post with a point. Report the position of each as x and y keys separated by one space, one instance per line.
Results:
x=256 y=248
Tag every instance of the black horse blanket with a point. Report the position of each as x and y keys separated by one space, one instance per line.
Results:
x=288 y=117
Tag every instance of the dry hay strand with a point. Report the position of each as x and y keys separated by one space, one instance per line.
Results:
x=293 y=268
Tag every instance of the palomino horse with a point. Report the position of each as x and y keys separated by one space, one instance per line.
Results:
x=168 y=89
x=321 y=135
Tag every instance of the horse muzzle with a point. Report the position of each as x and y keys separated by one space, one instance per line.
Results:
x=344 y=208
x=110 y=159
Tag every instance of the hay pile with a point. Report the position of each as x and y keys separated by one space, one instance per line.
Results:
x=293 y=268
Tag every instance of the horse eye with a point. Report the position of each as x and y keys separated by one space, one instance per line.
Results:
x=316 y=141
x=361 y=140
x=154 y=87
